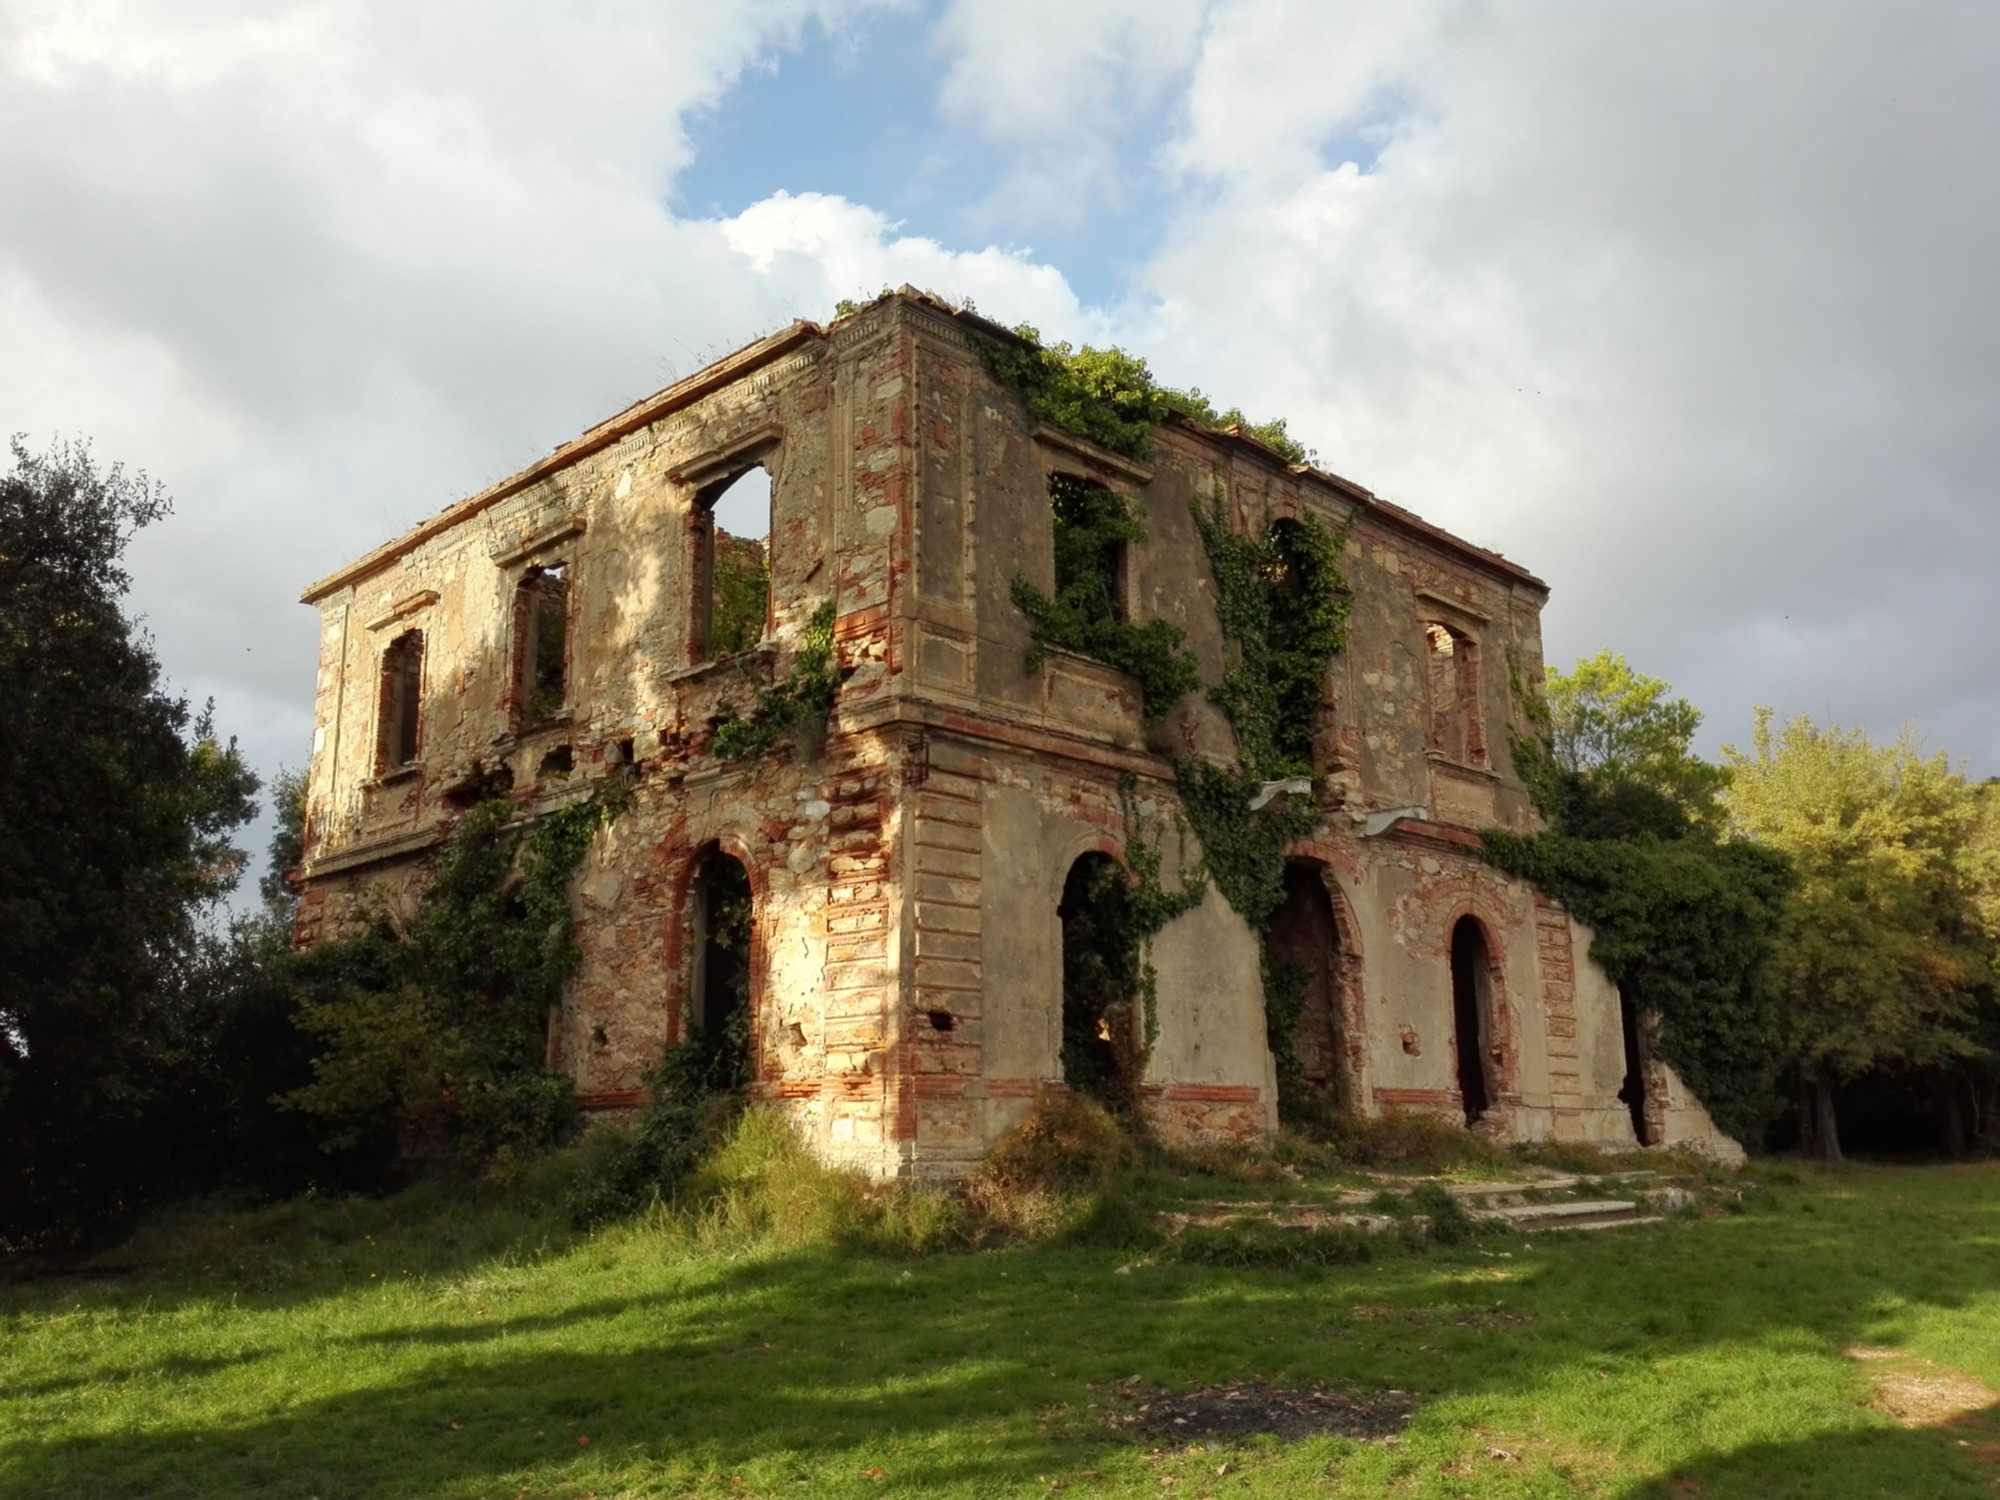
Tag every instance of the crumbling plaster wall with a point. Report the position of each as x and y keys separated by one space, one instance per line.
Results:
x=907 y=963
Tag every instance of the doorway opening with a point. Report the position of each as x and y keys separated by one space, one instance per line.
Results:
x=1304 y=952
x=1471 y=1013
x=1633 y=1091
x=724 y=917
x=1102 y=1029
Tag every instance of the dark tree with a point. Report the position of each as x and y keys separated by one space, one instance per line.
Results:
x=116 y=808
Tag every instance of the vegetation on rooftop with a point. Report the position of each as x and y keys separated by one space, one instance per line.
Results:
x=1110 y=397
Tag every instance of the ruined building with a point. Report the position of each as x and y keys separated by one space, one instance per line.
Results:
x=889 y=893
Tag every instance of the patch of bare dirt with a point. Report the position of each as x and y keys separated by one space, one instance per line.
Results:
x=1917 y=1393
x=1248 y=1409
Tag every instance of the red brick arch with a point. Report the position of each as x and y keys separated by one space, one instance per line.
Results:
x=680 y=929
x=1502 y=1050
x=1332 y=861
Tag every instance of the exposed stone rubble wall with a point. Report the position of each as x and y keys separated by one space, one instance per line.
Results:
x=906 y=965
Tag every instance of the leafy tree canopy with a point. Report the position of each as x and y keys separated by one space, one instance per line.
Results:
x=1885 y=945
x=1619 y=753
x=1685 y=922
x=117 y=805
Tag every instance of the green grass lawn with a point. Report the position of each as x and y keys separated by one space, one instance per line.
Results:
x=430 y=1346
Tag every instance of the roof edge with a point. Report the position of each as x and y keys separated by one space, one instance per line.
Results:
x=622 y=424
x=1370 y=503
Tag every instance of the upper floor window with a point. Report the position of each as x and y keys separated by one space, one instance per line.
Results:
x=541 y=622
x=732 y=564
x=1093 y=527
x=399 y=711
x=1452 y=660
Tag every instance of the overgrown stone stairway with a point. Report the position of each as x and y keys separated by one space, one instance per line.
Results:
x=1542 y=1200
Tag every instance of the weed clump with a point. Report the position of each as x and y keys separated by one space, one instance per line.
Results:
x=1571 y=1156
x=1403 y=1140
x=1067 y=1171
x=1270 y=1247
x=763 y=1184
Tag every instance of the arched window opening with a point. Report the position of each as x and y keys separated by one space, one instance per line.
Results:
x=541 y=615
x=1093 y=527
x=1304 y=952
x=1103 y=1032
x=732 y=564
x=1633 y=1090
x=1471 y=1014
x=399 y=716
x=1452 y=660
x=719 y=1017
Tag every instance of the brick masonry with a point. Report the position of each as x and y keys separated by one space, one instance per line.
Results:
x=906 y=868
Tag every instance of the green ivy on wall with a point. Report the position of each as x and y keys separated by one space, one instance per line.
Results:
x=797 y=705
x=1092 y=526
x=1684 y=928
x=1283 y=603
x=436 y=1028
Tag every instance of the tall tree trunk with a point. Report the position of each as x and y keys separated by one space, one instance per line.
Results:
x=1825 y=1123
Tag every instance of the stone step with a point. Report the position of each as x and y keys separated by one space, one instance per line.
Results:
x=1586 y=1214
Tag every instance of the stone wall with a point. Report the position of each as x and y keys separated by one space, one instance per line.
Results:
x=906 y=964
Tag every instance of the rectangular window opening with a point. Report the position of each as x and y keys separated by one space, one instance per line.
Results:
x=1452 y=662
x=543 y=603
x=733 y=565
x=399 y=717
x=1093 y=527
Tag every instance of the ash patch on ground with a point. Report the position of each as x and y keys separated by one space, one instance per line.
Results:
x=1246 y=1410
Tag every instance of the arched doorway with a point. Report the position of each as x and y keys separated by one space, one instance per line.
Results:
x=1102 y=1030
x=1304 y=952
x=1471 y=1014
x=1633 y=1090
x=719 y=1018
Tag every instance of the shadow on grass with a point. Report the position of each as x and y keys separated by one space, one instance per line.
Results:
x=1960 y=1458
x=283 y=1254
x=974 y=1372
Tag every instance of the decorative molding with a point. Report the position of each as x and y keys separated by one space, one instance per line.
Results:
x=376 y=851
x=717 y=462
x=404 y=607
x=1092 y=455
x=1454 y=604
x=1427 y=1098
x=507 y=551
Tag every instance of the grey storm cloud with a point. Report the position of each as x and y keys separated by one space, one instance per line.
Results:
x=1688 y=307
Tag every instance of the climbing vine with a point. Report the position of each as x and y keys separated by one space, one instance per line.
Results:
x=1684 y=928
x=1683 y=922
x=1283 y=604
x=435 y=1029
x=1092 y=524
x=799 y=704
x=1111 y=914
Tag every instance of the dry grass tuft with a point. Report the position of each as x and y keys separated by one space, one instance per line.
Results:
x=1405 y=1141
x=1063 y=1172
x=1914 y=1392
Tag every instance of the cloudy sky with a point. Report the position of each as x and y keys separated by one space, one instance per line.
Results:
x=1690 y=307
